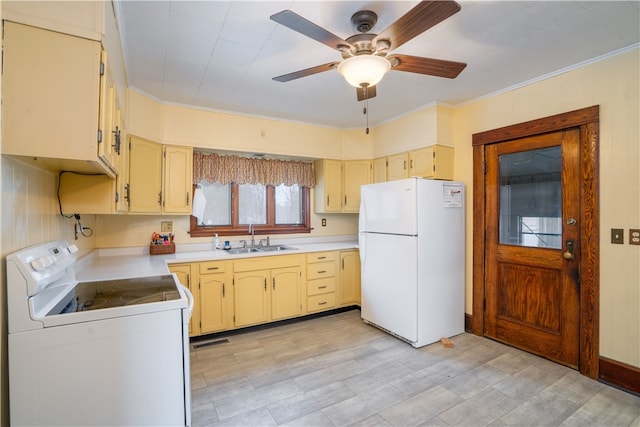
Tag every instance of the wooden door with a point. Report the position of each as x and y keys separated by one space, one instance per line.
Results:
x=532 y=210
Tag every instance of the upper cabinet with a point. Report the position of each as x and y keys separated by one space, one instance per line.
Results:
x=159 y=177
x=435 y=162
x=51 y=101
x=338 y=184
x=153 y=179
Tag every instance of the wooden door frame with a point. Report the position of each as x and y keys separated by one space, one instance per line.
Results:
x=587 y=120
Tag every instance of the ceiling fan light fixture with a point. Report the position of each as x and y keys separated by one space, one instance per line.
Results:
x=364 y=70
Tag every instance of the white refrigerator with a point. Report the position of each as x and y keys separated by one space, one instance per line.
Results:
x=411 y=239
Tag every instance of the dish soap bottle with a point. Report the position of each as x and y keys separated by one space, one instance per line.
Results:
x=216 y=242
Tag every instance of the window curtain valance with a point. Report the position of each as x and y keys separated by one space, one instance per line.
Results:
x=224 y=169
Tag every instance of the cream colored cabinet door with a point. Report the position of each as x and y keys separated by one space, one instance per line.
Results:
x=122 y=179
x=145 y=176
x=285 y=293
x=185 y=276
x=328 y=189
x=349 y=284
x=213 y=307
x=380 y=169
x=177 y=179
x=435 y=162
x=106 y=148
x=50 y=98
x=356 y=174
x=397 y=167
x=251 y=298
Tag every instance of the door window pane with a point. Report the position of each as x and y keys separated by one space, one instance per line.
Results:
x=288 y=204
x=531 y=198
x=217 y=208
x=252 y=204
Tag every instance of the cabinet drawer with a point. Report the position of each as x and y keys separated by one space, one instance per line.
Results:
x=321 y=286
x=321 y=257
x=321 y=270
x=321 y=302
x=211 y=267
x=266 y=262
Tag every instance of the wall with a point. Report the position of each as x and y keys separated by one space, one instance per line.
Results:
x=613 y=84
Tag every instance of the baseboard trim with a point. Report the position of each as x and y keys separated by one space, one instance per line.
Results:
x=468 y=323
x=620 y=375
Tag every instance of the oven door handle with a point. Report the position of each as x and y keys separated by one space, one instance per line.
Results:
x=189 y=298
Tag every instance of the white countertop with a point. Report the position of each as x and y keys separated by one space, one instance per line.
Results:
x=122 y=263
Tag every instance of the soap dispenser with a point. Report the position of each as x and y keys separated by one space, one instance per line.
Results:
x=216 y=242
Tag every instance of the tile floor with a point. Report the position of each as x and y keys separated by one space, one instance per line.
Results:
x=338 y=371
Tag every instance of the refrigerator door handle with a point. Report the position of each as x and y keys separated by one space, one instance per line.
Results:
x=362 y=249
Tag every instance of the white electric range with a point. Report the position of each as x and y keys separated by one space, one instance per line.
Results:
x=108 y=352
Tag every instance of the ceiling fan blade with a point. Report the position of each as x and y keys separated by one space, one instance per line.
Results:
x=307 y=72
x=429 y=66
x=305 y=27
x=418 y=20
x=368 y=94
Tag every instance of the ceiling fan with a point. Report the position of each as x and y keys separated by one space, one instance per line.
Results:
x=364 y=54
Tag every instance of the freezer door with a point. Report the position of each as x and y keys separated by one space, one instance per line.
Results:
x=389 y=207
x=389 y=283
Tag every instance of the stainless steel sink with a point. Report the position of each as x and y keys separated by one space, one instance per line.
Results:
x=275 y=248
x=239 y=251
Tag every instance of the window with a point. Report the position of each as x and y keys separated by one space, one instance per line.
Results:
x=228 y=209
x=233 y=192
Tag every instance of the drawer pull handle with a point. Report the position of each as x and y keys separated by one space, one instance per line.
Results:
x=213 y=268
x=322 y=287
x=322 y=303
x=322 y=257
x=322 y=271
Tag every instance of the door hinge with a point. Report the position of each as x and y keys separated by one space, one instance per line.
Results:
x=99 y=136
x=117 y=196
x=102 y=68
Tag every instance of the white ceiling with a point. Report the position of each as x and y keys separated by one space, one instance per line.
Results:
x=222 y=55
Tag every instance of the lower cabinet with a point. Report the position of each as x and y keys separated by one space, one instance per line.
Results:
x=267 y=289
x=251 y=298
x=252 y=291
x=214 y=284
x=321 y=281
x=349 y=278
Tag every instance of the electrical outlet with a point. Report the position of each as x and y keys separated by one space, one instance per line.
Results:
x=324 y=222
x=634 y=236
x=166 y=226
x=617 y=236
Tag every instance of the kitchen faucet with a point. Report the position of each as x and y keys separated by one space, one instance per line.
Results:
x=252 y=232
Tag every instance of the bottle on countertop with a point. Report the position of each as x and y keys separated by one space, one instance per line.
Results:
x=216 y=242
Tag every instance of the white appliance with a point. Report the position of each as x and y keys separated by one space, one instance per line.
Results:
x=110 y=352
x=411 y=239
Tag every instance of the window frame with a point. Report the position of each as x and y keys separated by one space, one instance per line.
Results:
x=259 y=229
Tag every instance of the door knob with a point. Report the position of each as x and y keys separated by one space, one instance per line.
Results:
x=569 y=250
